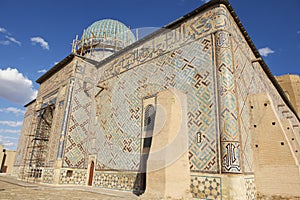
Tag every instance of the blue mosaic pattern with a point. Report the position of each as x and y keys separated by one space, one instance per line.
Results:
x=109 y=32
x=229 y=127
x=188 y=68
x=75 y=154
x=183 y=59
x=197 y=27
x=185 y=69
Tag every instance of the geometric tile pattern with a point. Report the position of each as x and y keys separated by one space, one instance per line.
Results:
x=244 y=75
x=166 y=61
x=250 y=189
x=188 y=69
x=120 y=181
x=229 y=126
x=78 y=128
x=230 y=157
x=204 y=187
x=48 y=175
x=78 y=177
x=246 y=85
x=188 y=31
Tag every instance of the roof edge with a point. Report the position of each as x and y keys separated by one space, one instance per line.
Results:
x=264 y=66
x=26 y=105
x=164 y=28
x=56 y=68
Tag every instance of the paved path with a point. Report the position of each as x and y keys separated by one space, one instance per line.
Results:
x=12 y=189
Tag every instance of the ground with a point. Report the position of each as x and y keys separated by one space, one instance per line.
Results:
x=12 y=189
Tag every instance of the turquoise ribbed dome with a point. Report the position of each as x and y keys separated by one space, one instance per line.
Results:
x=108 y=32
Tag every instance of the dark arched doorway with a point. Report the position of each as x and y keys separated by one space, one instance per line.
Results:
x=91 y=174
x=149 y=119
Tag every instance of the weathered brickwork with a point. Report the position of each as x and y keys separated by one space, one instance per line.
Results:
x=250 y=79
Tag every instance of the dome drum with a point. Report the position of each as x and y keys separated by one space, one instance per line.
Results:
x=104 y=34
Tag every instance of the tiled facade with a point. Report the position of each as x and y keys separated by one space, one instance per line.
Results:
x=98 y=109
x=250 y=189
x=48 y=176
x=73 y=177
x=148 y=79
x=206 y=187
x=115 y=180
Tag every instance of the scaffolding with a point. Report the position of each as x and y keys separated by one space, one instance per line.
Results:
x=95 y=41
x=37 y=146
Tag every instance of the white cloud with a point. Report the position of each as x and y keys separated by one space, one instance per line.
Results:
x=42 y=71
x=205 y=1
x=15 y=87
x=5 y=42
x=8 y=137
x=9 y=144
x=265 y=51
x=13 y=110
x=10 y=131
x=11 y=39
x=3 y=30
x=41 y=41
x=298 y=32
x=11 y=123
x=7 y=141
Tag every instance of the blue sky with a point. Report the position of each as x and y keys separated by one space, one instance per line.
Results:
x=37 y=34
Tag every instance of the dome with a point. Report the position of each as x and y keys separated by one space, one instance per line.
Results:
x=108 y=33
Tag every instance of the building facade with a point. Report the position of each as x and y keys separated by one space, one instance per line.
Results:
x=189 y=111
x=290 y=83
x=7 y=159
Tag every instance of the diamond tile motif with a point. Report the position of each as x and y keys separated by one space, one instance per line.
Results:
x=203 y=187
